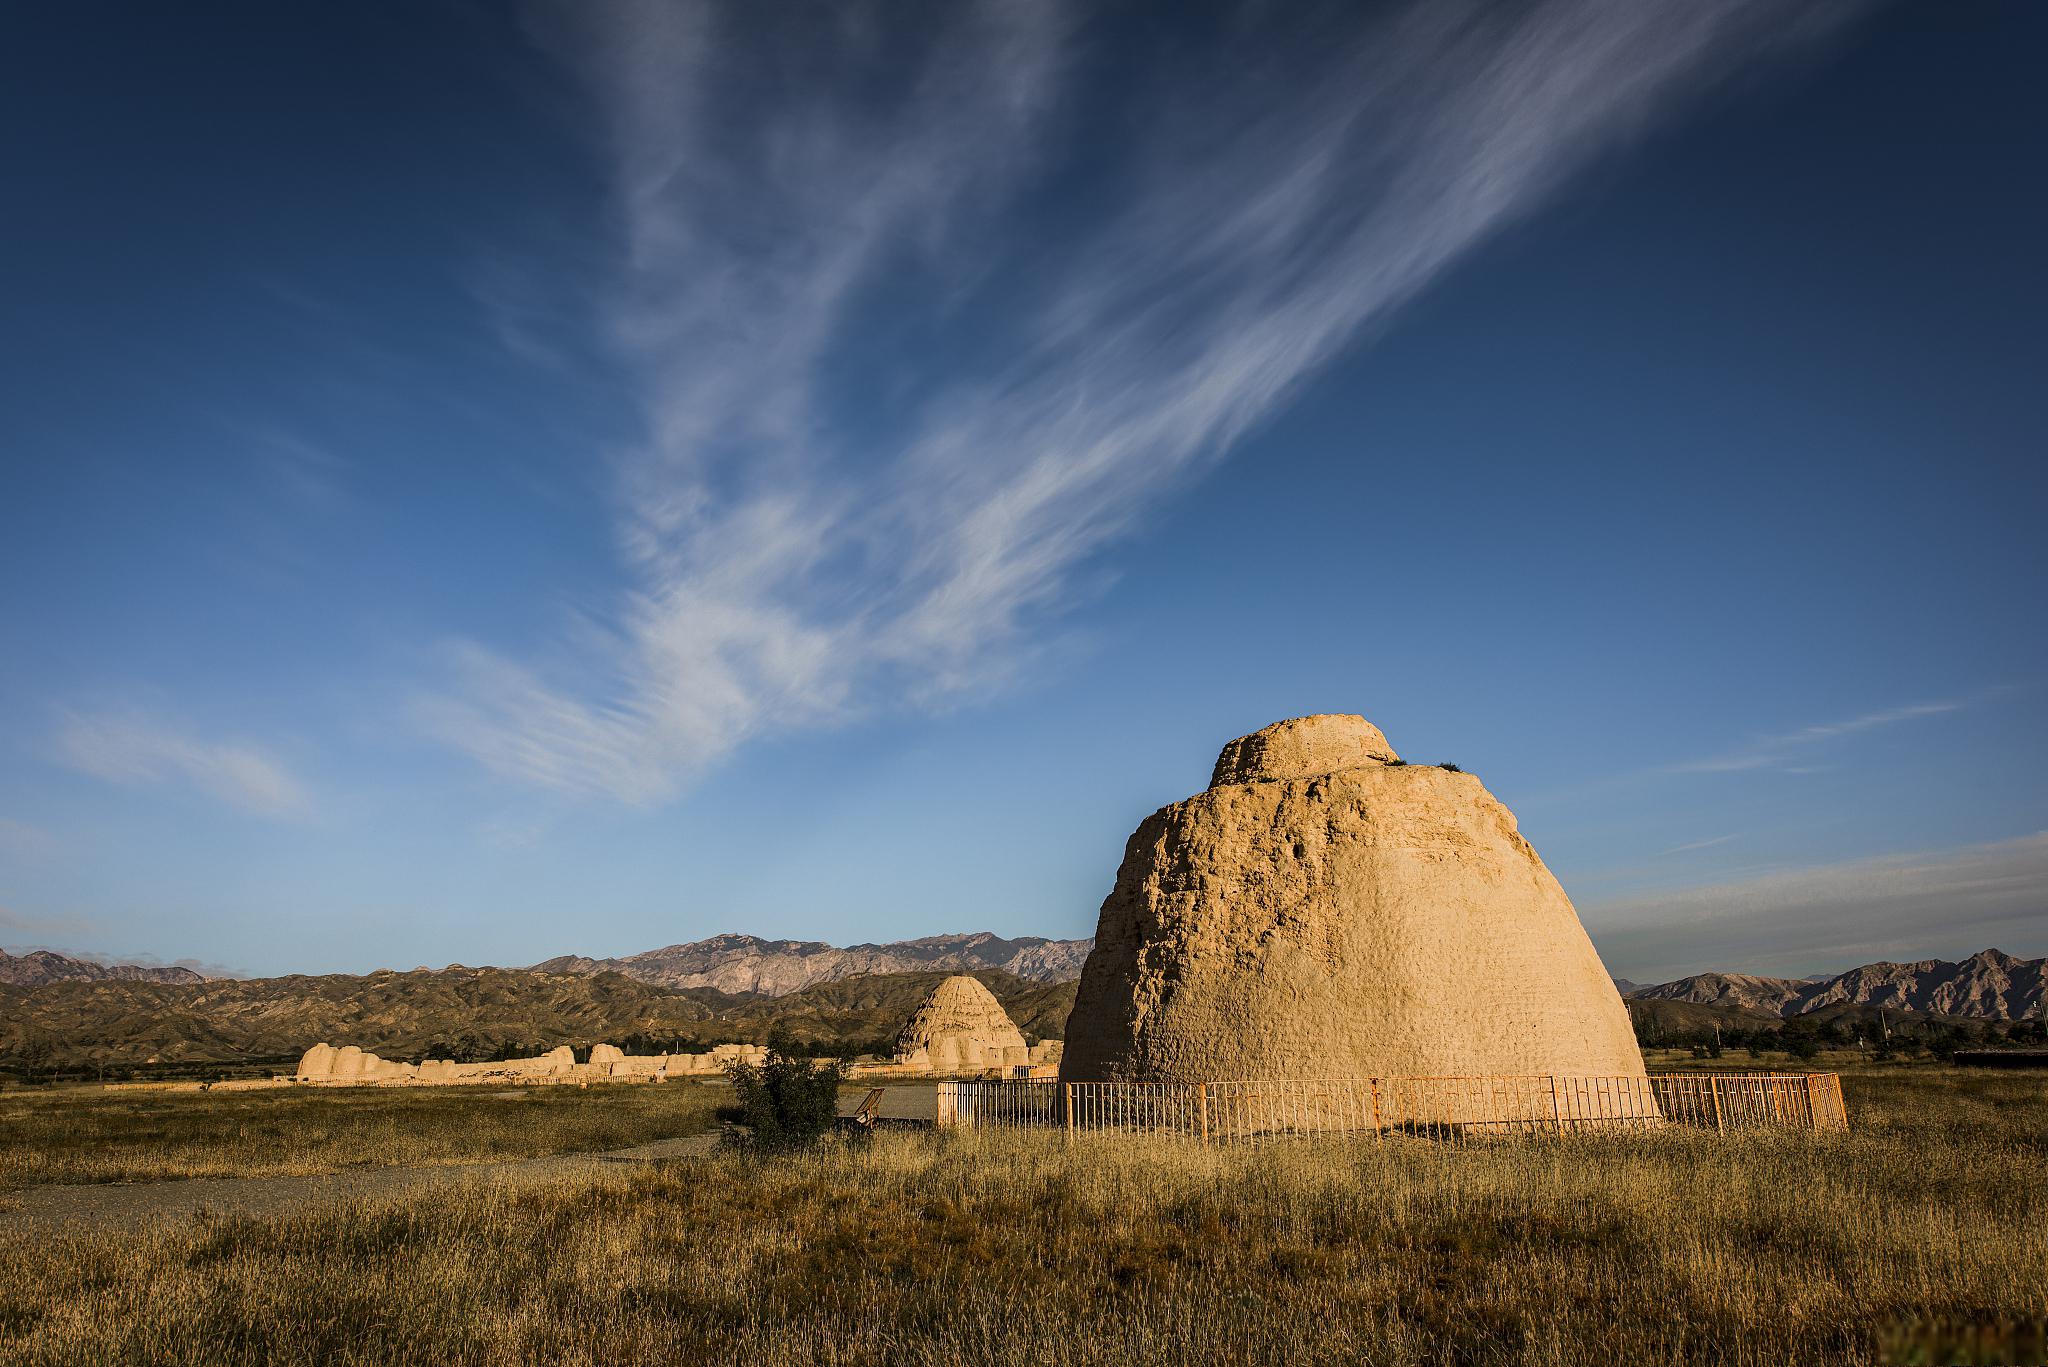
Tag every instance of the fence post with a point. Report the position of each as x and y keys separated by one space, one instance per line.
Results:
x=1377 y=1132
x=1714 y=1090
x=1202 y=1108
x=1556 y=1111
x=1067 y=1105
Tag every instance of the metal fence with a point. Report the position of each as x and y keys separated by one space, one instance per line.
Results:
x=1429 y=1107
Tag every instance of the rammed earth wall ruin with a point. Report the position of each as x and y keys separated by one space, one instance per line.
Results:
x=323 y=1063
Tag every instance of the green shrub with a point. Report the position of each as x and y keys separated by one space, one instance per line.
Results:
x=787 y=1102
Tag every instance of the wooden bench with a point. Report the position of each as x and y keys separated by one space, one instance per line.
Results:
x=863 y=1117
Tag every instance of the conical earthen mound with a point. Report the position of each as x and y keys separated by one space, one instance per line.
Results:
x=961 y=1027
x=1323 y=910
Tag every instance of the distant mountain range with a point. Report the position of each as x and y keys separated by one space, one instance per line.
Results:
x=1988 y=984
x=43 y=966
x=746 y=963
x=61 y=1011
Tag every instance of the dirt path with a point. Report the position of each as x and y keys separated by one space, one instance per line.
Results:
x=916 y=1103
x=38 y=1211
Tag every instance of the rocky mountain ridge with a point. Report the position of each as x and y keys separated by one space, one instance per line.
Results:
x=1989 y=984
x=739 y=964
x=41 y=966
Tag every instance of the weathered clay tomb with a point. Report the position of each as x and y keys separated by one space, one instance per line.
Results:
x=962 y=1028
x=1324 y=910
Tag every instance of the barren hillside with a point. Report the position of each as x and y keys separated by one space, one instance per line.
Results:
x=463 y=1013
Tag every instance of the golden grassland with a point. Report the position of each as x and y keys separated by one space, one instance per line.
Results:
x=1921 y=1236
x=119 y=1135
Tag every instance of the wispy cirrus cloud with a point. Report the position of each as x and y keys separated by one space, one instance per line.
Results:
x=135 y=749
x=25 y=924
x=1783 y=751
x=26 y=839
x=1942 y=903
x=1692 y=845
x=1241 y=216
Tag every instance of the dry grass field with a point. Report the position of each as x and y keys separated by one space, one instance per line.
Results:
x=136 y=1135
x=1922 y=1236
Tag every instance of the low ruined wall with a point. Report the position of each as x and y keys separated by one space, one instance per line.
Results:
x=349 y=1065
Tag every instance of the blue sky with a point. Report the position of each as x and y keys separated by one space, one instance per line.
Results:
x=482 y=482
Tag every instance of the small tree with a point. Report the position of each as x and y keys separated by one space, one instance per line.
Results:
x=1942 y=1041
x=786 y=1102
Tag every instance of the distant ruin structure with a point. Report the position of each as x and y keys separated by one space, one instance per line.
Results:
x=323 y=1063
x=959 y=1028
x=962 y=1028
x=1325 y=910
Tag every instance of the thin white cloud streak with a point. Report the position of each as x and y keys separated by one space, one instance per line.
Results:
x=1272 y=211
x=133 y=750
x=44 y=925
x=1944 y=903
x=1772 y=752
x=26 y=840
x=1697 y=845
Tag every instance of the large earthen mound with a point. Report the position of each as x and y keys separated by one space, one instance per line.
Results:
x=1324 y=910
x=961 y=1027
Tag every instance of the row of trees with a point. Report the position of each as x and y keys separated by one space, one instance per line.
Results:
x=1888 y=1036
x=474 y=1048
x=36 y=1068
x=33 y=1059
